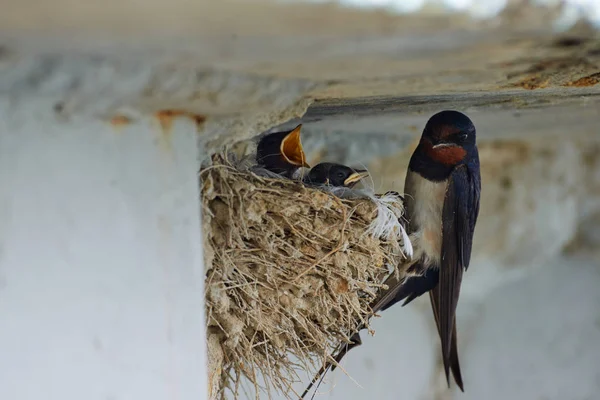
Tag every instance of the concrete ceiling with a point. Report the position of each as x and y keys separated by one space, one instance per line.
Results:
x=244 y=67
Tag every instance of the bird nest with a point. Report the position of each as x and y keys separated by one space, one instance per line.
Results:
x=290 y=273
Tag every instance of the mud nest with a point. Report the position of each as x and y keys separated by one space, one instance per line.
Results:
x=290 y=273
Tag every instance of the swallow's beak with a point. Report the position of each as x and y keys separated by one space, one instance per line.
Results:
x=442 y=145
x=355 y=178
x=291 y=148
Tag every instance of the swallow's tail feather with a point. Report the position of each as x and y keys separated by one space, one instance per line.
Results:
x=454 y=364
x=457 y=236
x=443 y=302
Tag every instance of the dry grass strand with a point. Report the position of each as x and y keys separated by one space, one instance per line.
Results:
x=290 y=271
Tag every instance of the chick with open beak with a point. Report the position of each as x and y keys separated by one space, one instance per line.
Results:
x=282 y=152
x=333 y=174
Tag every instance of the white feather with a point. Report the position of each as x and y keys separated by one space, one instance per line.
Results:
x=386 y=225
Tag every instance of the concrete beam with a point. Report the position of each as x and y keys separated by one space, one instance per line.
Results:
x=101 y=269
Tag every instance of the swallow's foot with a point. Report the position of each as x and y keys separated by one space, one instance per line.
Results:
x=393 y=193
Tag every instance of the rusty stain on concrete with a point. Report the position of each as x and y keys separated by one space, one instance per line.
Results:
x=532 y=83
x=589 y=80
x=166 y=117
x=120 y=120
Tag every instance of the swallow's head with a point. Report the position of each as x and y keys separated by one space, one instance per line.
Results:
x=336 y=175
x=281 y=150
x=448 y=137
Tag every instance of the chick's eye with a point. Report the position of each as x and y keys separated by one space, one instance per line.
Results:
x=340 y=175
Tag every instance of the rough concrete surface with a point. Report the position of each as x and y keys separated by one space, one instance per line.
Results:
x=247 y=66
x=101 y=272
x=364 y=83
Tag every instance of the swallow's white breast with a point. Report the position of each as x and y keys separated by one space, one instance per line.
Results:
x=424 y=204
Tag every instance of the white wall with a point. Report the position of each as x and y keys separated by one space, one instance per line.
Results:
x=101 y=275
x=536 y=338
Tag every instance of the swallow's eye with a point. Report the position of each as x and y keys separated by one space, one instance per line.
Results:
x=463 y=136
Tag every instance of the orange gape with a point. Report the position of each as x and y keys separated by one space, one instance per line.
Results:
x=291 y=148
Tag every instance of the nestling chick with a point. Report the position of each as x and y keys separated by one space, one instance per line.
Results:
x=333 y=174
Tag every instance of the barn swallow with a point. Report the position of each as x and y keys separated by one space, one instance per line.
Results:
x=442 y=191
x=333 y=174
x=282 y=152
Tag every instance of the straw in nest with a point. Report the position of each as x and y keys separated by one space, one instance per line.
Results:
x=291 y=271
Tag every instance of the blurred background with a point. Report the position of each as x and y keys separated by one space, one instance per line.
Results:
x=364 y=77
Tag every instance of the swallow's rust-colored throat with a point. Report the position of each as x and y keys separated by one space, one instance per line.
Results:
x=447 y=153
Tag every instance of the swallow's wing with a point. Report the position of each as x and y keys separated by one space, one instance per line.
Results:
x=469 y=210
x=459 y=215
x=461 y=209
x=450 y=360
x=411 y=288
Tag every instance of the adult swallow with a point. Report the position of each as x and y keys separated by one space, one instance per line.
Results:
x=442 y=191
x=282 y=152
x=333 y=174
